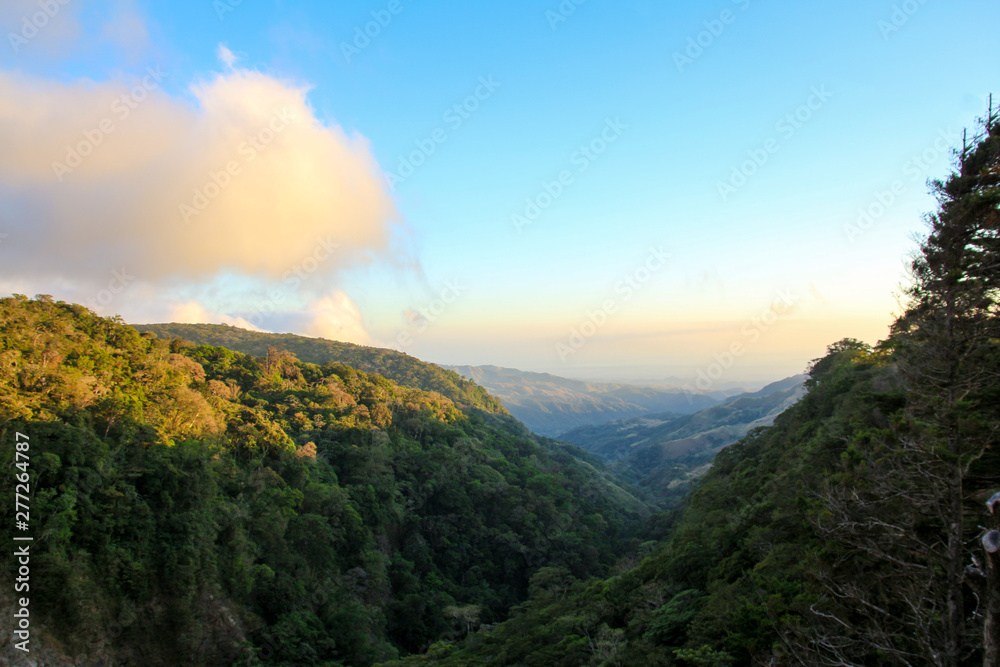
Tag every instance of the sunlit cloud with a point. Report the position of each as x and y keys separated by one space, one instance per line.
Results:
x=241 y=179
x=193 y=312
x=336 y=317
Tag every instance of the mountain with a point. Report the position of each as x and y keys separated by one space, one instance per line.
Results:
x=396 y=366
x=664 y=453
x=191 y=504
x=551 y=405
x=784 y=518
x=731 y=581
x=675 y=436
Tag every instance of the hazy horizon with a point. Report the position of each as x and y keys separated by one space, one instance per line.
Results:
x=629 y=188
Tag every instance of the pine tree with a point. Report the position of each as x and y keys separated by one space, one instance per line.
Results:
x=949 y=351
x=901 y=516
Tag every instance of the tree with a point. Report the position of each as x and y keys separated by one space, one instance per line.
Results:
x=898 y=517
x=949 y=357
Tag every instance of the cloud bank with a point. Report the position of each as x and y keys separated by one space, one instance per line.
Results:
x=237 y=179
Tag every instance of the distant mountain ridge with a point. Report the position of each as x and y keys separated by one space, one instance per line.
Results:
x=661 y=452
x=551 y=405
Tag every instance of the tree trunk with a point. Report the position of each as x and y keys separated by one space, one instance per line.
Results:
x=991 y=626
x=991 y=595
x=956 y=603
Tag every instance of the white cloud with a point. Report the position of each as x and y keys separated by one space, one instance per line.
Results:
x=227 y=57
x=193 y=312
x=336 y=317
x=246 y=182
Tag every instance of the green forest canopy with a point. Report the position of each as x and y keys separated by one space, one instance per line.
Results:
x=192 y=496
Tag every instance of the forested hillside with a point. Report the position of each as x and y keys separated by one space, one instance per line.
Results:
x=195 y=505
x=620 y=439
x=552 y=405
x=399 y=367
x=861 y=529
x=665 y=453
x=738 y=574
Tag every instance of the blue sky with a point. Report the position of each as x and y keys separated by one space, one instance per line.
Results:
x=746 y=158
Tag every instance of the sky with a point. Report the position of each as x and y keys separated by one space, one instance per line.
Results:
x=632 y=190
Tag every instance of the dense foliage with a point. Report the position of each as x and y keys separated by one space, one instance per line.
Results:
x=735 y=571
x=397 y=366
x=195 y=505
